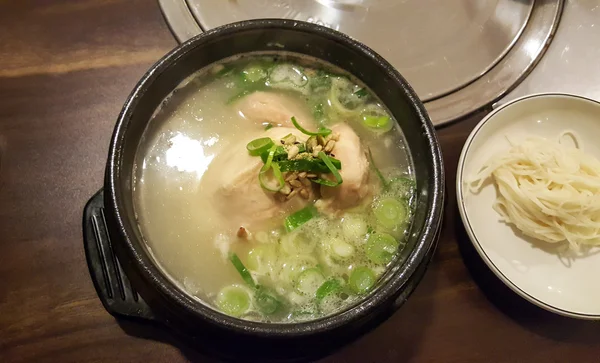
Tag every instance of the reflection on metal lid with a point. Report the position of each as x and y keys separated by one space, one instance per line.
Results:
x=438 y=45
x=441 y=47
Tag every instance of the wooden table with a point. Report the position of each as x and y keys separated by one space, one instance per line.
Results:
x=66 y=67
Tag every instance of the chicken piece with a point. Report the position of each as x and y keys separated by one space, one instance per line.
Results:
x=354 y=172
x=277 y=109
x=232 y=181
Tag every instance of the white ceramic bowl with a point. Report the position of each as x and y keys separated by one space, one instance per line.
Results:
x=531 y=268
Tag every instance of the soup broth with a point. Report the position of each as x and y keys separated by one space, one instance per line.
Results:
x=273 y=188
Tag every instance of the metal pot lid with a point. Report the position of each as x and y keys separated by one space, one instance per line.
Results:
x=459 y=55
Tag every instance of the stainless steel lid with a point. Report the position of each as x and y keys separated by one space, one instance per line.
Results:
x=459 y=55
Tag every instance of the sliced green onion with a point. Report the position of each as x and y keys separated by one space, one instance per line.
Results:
x=377 y=122
x=323 y=131
x=354 y=227
x=262 y=175
x=318 y=112
x=270 y=157
x=304 y=315
x=268 y=126
x=242 y=270
x=376 y=118
x=301 y=148
x=298 y=244
x=300 y=217
x=278 y=154
x=361 y=279
x=329 y=287
x=321 y=82
x=334 y=171
x=254 y=73
x=278 y=175
x=281 y=154
x=384 y=182
x=309 y=165
x=233 y=300
x=262 y=258
x=327 y=183
x=390 y=212
x=287 y=74
x=341 y=248
x=343 y=98
x=254 y=259
x=363 y=92
x=402 y=187
x=259 y=146
x=266 y=302
x=297 y=299
x=381 y=248
x=309 y=281
x=293 y=266
x=276 y=172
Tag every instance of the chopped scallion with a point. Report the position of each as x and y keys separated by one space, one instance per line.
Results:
x=321 y=82
x=262 y=178
x=262 y=257
x=341 y=248
x=323 y=131
x=278 y=154
x=402 y=186
x=343 y=99
x=308 y=165
x=287 y=75
x=381 y=248
x=384 y=182
x=265 y=302
x=254 y=73
x=278 y=175
x=329 y=287
x=270 y=156
x=259 y=146
x=327 y=183
x=309 y=281
x=332 y=169
x=377 y=122
x=262 y=174
x=390 y=212
x=318 y=112
x=376 y=118
x=233 y=300
x=361 y=279
x=363 y=92
x=300 y=217
x=242 y=270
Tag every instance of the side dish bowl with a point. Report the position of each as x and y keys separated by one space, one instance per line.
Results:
x=535 y=270
x=172 y=305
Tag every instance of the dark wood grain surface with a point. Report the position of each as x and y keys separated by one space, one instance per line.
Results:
x=66 y=67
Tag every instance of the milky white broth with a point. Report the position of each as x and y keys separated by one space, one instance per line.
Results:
x=187 y=235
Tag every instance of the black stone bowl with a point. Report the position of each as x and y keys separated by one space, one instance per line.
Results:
x=113 y=224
